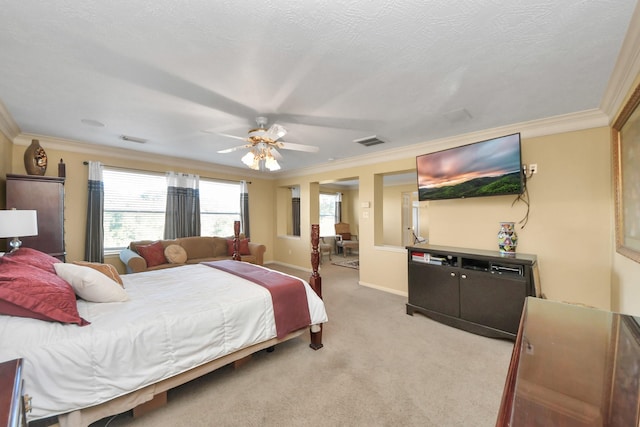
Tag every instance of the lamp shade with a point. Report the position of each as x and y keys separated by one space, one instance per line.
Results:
x=18 y=223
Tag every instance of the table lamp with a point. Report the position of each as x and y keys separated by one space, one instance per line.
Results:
x=17 y=223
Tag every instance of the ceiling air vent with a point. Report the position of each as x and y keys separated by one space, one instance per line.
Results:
x=133 y=139
x=369 y=141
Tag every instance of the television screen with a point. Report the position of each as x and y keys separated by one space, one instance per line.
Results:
x=486 y=168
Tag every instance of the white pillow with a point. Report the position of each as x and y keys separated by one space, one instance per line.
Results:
x=89 y=284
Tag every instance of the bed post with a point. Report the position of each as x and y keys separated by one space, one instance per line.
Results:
x=316 y=282
x=236 y=241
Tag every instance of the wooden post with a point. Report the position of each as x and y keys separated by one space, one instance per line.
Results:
x=315 y=281
x=236 y=241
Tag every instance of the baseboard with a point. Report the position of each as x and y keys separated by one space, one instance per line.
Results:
x=284 y=264
x=387 y=290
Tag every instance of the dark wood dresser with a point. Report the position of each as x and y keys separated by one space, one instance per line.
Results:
x=476 y=290
x=45 y=195
x=12 y=410
x=573 y=366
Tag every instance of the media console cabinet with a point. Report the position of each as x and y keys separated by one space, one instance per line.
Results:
x=479 y=291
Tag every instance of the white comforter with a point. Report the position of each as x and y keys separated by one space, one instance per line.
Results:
x=176 y=319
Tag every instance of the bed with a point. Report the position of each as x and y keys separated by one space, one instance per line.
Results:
x=173 y=325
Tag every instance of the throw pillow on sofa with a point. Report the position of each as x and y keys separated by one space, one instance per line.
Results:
x=175 y=254
x=243 y=247
x=152 y=253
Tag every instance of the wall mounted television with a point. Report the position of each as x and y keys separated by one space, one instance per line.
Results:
x=485 y=168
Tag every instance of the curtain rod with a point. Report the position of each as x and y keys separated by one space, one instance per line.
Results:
x=143 y=170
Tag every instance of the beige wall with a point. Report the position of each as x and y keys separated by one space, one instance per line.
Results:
x=261 y=192
x=392 y=212
x=569 y=224
x=569 y=220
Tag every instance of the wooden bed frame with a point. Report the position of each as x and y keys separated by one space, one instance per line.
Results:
x=155 y=395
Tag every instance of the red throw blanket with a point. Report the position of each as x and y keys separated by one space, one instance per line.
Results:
x=290 y=306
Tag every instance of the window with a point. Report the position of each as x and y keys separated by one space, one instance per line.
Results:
x=219 y=207
x=327 y=214
x=135 y=204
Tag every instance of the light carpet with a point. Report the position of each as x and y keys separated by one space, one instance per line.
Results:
x=350 y=263
x=379 y=367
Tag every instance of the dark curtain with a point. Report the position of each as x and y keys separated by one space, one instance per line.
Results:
x=338 y=212
x=94 y=237
x=182 y=216
x=295 y=210
x=244 y=208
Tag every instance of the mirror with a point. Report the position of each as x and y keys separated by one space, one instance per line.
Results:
x=347 y=193
x=288 y=211
x=404 y=220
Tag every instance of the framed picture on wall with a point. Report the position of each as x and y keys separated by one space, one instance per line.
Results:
x=626 y=171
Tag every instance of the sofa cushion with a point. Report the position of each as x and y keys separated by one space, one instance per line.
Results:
x=175 y=254
x=243 y=247
x=197 y=246
x=220 y=247
x=153 y=253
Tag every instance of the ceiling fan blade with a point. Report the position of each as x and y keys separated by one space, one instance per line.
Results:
x=275 y=132
x=276 y=154
x=298 y=147
x=232 y=149
x=242 y=138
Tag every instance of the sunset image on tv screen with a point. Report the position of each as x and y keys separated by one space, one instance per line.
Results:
x=486 y=168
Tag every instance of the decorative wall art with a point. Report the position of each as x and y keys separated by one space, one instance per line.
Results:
x=626 y=168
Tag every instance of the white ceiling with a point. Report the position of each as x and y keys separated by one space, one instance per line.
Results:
x=330 y=71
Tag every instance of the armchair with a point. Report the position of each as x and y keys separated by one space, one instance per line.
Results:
x=344 y=239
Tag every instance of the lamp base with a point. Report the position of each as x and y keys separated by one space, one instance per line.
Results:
x=15 y=244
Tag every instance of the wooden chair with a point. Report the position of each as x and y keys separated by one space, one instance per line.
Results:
x=344 y=239
x=324 y=248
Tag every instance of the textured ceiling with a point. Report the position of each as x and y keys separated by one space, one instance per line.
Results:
x=178 y=73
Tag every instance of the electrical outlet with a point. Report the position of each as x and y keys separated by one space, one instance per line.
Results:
x=533 y=168
x=529 y=348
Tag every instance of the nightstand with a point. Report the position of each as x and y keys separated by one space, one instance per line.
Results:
x=12 y=407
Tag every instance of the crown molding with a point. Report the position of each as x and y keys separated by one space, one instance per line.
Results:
x=625 y=71
x=8 y=126
x=125 y=154
x=553 y=125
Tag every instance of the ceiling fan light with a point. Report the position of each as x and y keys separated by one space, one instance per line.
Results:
x=272 y=164
x=248 y=159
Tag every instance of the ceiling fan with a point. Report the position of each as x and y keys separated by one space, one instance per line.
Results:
x=263 y=144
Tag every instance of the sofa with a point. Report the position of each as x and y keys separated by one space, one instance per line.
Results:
x=146 y=255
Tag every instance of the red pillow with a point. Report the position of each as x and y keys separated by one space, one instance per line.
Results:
x=32 y=257
x=243 y=247
x=28 y=291
x=346 y=236
x=152 y=253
